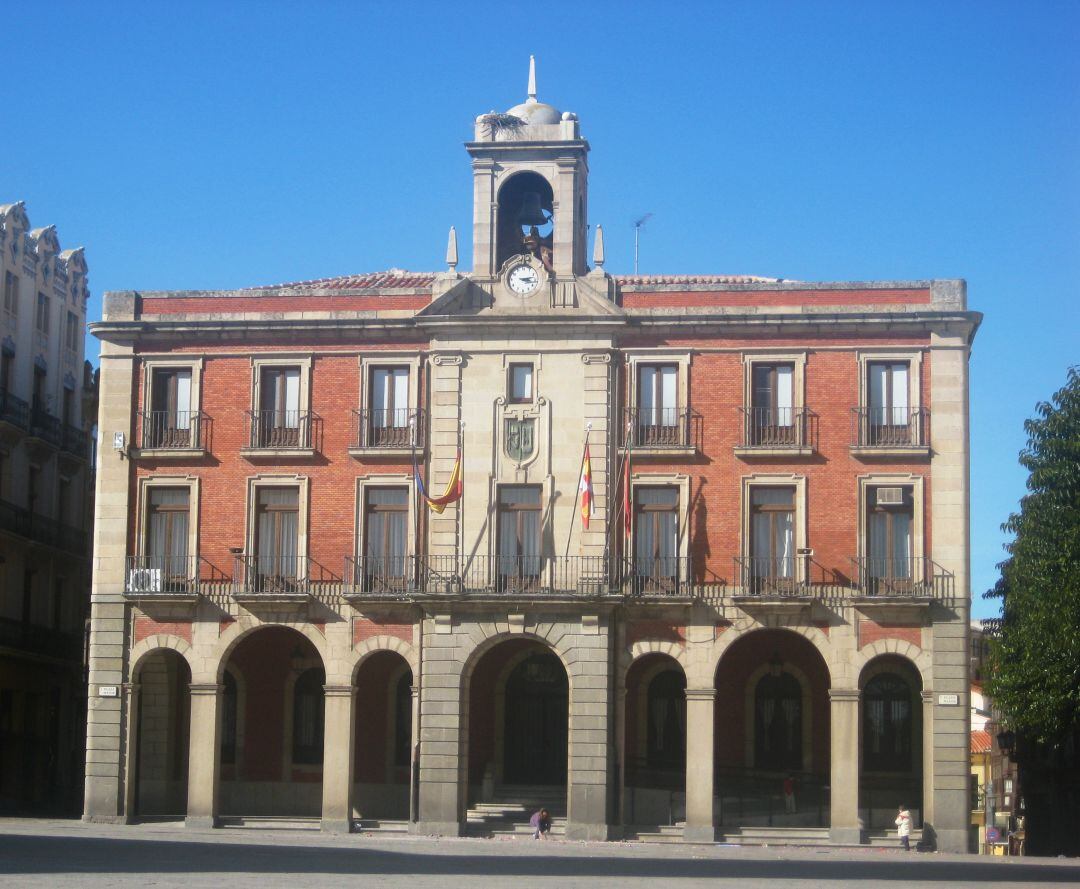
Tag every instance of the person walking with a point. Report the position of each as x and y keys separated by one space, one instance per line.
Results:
x=903 y=828
x=789 y=794
x=541 y=824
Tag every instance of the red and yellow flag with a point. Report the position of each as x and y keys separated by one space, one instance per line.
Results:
x=453 y=491
x=585 y=489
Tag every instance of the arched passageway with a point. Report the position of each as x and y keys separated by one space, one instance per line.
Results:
x=271 y=729
x=518 y=724
x=772 y=733
x=655 y=742
x=383 y=737
x=890 y=740
x=162 y=735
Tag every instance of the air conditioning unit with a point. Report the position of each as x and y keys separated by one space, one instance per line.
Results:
x=890 y=497
x=144 y=580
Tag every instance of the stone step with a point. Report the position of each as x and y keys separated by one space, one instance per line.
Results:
x=380 y=825
x=654 y=833
x=776 y=836
x=269 y=822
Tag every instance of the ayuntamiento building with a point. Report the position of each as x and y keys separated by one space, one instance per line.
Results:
x=760 y=630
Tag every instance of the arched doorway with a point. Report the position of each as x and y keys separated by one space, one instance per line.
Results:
x=772 y=732
x=518 y=725
x=383 y=741
x=272 y=726
x=890 y=740
x=655 y=742
x=162 y=736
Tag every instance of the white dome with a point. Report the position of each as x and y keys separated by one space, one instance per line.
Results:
x=532 y=111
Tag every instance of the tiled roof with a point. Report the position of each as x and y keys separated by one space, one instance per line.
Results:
x=980 y=741
x=392 y=279
x=646 y=280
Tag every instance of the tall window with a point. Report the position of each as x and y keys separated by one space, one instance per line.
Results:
x=403 y=721
x=386 y=531
x=772 y=533
x=658 y=408
x=656 y=535
x=280 y=423
x=889 y=407
x=33 y=487
x=889 y=537
x=772 y=404
x=887 y=724
x=167 y=517
x=778 y=723
x=42 y=319
x=169 y=422
x=38 y=398
x=666 y=730
x=307 y=746
x=390 y=407
x=277 y=538
x=7 y=367
x=229 y=713
x=521 y=383
x=71 y=332
x=519 y=534
x=11 y=294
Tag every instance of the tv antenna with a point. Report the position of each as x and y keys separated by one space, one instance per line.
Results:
x=637 y=237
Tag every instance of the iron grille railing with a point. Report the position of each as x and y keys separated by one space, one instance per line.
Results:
x=873 y=427
x=46 y=641
x=14 y=410
x=45 y=426
x=668 y=427
x=653 y=576
x=756 y=796
x=173 y=430
x=397 y=428
x=382 y=576
x=75 y=441
x=916 y=577
x=270 y=575
x=280 y=429
x=783 y=427
x=41 y=529
x=167 y=575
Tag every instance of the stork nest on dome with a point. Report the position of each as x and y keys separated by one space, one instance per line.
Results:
x=495 y=123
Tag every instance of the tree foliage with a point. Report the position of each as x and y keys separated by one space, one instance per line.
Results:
x=1035 y=675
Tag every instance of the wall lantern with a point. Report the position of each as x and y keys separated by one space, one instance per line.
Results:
x=1007 y=742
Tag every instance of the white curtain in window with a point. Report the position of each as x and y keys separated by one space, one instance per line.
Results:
x=647 y=405
x=669 y=401
x=785 y=541
x=784 y=396
x=899 y=395
x=400 y=415
x=183 y=399
x=878 y=398
x=292 y=398
x=901 y=544
x=878 y=544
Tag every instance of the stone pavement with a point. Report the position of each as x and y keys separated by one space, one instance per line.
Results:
x=40 y=853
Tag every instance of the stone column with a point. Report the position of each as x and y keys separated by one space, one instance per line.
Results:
x=700 y=756
x=203 y=755
x=338 y=731
x=844 y=824
x=443 y=765
x=928 y=756
x=131 y=692
x=589 y=779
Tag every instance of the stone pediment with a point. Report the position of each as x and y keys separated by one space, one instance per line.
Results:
x=572 y=298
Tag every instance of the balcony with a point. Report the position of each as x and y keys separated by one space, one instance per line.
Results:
x=74 y=441
x=791 y=578
x=670 y=431
x=45 y=429
x=14 y=415
x=173 y=434
x=907 y=579
x=39 y=529
x=387 y=432
x=890 y=432
x=779 y=432
x=169 y=578
x=271 y=580
x=41 y=641
x=281 y=434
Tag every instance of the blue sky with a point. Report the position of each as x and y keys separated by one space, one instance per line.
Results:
x=192 y=145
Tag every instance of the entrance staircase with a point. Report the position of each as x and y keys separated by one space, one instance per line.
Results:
x=511 y=807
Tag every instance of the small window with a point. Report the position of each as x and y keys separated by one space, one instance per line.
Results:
x=521 y=383
x=42 y=313
x=11 y=294
x=71 y=332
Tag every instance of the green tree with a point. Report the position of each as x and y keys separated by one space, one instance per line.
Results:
x=1035 y=675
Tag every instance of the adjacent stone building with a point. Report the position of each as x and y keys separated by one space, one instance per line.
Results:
x=761 y=632
x=47 y=404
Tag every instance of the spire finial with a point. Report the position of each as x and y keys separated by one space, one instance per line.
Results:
x=451 y=250
x=532 y=78
x=598 y=248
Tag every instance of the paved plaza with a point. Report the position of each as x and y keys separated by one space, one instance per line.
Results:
x=52 y=853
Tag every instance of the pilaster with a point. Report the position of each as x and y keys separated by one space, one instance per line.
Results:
x=844 y=824
x=700 y=753
x=203 y=758
x=338 y=737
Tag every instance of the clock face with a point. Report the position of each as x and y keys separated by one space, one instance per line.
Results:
x=523 y=279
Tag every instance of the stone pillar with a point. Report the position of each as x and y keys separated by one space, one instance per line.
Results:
x=844 y=824
x=203 y=755
x=591 y=738
x=700 y=765
x=442 y=727
x=131 y=790
x=927 y=756
x=338 y=731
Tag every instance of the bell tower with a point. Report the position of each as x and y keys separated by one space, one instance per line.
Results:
x=530 y=189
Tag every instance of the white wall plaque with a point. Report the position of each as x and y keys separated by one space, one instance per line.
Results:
x=950 y=700
x=108 y=691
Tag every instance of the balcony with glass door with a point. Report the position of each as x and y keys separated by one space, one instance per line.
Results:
x=888 y=424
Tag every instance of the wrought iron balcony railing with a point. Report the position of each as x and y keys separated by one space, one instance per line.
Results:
x=398 y=428
x=873 y=427
x=74 y=441
x=173 y=430
x=784 y=576
x=41 y=529
x=777 y=428
x=281 y=430
x=165 y=576
x=14 y=410
x=271 y=575
x=669 y=427
x=45 y=426
x=914 y=577
x=45 y=641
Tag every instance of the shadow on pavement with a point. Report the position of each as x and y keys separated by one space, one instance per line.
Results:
x=85 y=855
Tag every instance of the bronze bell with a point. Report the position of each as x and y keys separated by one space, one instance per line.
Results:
x=531 y=211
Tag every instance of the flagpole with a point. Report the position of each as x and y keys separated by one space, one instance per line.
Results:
x=460 y=536
x=577 y=489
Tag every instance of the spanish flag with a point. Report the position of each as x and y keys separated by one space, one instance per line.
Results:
x=453 y=491
x=585 y=489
